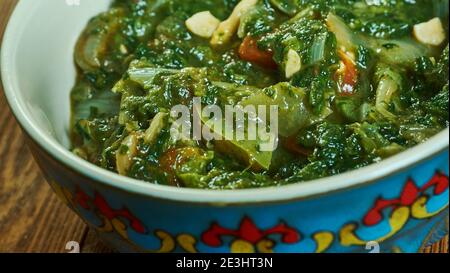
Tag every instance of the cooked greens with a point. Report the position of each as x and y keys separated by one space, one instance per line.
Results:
x=355 y=81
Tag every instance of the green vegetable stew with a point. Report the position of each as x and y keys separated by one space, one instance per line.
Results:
x=355 y=81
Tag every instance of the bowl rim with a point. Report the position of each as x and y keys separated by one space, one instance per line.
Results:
x=297 y=191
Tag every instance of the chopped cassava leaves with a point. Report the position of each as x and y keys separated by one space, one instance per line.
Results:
x=353 y=82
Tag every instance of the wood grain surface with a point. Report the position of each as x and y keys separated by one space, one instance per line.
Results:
x=31 y=217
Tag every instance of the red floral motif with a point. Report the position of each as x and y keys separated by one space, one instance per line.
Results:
x=82 y=199
x=249 y=232
x=99 y=204
x=409 y=195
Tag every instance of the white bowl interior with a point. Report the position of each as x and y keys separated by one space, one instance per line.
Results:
x=46 y=58
x=38 y=73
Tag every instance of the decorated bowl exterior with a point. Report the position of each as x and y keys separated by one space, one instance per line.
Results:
x=395 y=214
x=402 y=210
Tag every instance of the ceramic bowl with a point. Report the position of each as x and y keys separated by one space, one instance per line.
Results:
x=394 y=205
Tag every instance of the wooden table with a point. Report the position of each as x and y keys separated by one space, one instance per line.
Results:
x=31 y=217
